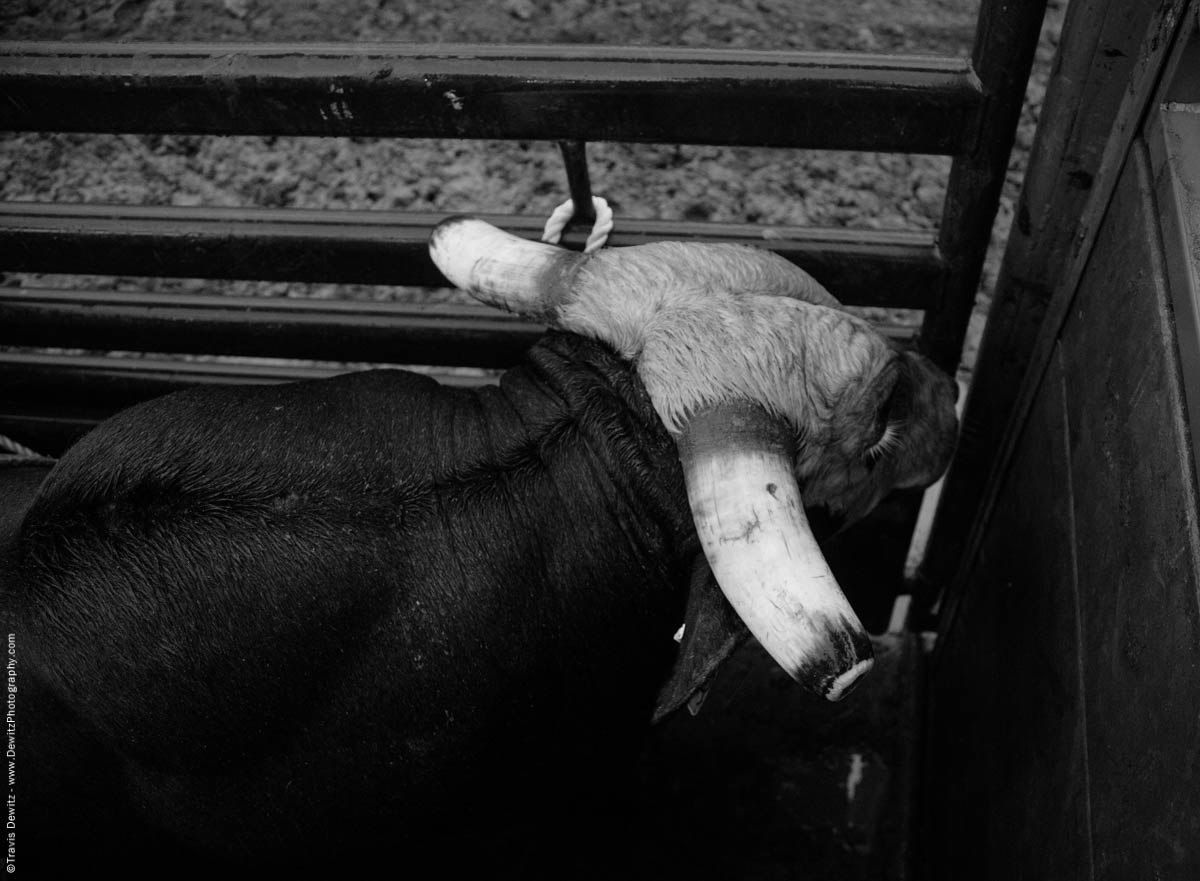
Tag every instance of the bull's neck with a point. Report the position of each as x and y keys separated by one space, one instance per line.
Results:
x=584 y=388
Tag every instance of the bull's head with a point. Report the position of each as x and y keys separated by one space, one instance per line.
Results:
x=777 y=398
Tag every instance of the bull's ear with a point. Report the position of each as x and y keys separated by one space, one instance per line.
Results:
x=498 y=268
x=737 y=461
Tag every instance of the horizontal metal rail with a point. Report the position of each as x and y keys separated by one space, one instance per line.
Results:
x=906 y=104
x=321 y=330
x=316 y=330
x=99 y=384
x=103 y=384
x=47 y=402
x=895 y=268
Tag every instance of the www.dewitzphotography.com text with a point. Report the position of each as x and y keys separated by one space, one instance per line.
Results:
x=10 y=753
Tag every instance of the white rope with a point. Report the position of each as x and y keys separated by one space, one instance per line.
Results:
x=11 y=446
x=562 y=215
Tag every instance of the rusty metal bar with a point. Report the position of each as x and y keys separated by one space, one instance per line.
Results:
x=638 y=94
x=900 y=269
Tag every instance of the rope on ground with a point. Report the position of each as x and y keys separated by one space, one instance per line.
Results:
x=562 y=215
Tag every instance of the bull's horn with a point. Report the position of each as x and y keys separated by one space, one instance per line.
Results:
x=737 y=462
x=533 y=278
x=501 y=269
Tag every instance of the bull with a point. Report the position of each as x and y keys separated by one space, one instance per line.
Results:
x=372 y=617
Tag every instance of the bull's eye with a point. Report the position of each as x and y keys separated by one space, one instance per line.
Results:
x=888 y=441
x=892 y=417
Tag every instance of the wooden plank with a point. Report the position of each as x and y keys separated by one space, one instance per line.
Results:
x=639 y=94
x=1007 y=781
x=323 y=330
x=1138 y=549
x=1097 y=51
x=862 y=267
x=1005 y=40
x=1174 y=143
x=988 y=438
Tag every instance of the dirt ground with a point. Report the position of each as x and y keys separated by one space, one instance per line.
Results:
x=831 y=189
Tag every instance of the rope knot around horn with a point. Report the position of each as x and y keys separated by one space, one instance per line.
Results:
x=561 y=216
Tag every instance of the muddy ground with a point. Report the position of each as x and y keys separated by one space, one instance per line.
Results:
x=838 y=189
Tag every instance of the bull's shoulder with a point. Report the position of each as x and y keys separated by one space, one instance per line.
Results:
x=239 y=535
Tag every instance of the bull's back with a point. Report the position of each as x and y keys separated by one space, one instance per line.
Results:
x=331 y=609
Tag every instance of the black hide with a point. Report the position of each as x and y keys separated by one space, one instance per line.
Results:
x=364 y=615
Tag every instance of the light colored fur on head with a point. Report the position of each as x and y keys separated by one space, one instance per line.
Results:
x=622 y=288
x=707 y=324
x=711 y=323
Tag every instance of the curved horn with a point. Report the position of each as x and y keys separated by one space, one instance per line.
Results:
x=737 y=461
x=501 y=269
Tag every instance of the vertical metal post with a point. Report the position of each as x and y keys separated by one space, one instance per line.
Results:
x=1006 y=38
x=574 y=155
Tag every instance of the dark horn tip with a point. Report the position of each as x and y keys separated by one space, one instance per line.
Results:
x=451 y=221
x=849 y=655
x=837 y=687
x=858 y=657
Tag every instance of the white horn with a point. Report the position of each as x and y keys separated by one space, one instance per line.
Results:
x=737 y=462
x=501 y=269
